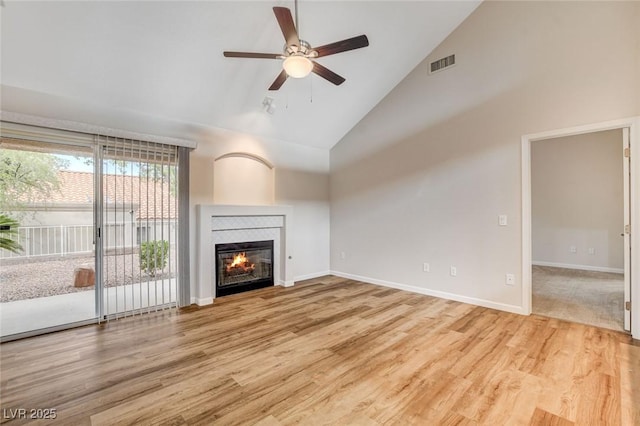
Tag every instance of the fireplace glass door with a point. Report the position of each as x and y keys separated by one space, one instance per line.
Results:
x=243 y=266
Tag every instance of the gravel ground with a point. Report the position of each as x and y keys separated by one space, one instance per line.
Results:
x=51 y=277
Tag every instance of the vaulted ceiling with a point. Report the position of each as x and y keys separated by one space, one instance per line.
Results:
x=157 y=67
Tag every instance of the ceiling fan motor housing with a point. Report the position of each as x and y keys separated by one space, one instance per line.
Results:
x=304 y=50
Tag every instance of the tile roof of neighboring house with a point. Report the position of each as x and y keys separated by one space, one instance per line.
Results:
x=148 y=199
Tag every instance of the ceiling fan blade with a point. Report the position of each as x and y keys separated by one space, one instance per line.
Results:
x=327 y=74
x=252 y=55
x=282 y=77
x=342 y=46
x=285 y=20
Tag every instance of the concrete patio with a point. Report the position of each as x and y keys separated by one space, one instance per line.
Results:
x=44 y=312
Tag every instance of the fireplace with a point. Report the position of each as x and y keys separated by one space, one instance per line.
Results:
x=221 y=224
x=243 y=266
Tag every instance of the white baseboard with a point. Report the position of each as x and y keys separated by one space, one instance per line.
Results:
x=435 y=293
x=580 y=267
x=311 y=276
x=288 y=283
x=202 y=302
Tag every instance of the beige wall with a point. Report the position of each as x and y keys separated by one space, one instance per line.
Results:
x=577 y=201
x=308 y=192
x=300 y=180
x=424 y=176
x=242 y=181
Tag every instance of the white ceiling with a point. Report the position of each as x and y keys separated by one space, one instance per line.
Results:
x=111 y=63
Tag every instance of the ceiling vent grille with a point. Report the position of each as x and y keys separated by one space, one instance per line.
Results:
x=442 y=64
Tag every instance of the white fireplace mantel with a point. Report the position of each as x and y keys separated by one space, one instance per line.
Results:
x=205 y=243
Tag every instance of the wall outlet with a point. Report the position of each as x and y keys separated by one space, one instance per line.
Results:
x=592 y=250
x=502 y=220
x=510 y=279
x=573 y=249
x=425 y=267
x=453 y=271
x=343 y=255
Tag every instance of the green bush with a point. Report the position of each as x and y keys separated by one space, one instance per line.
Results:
x=154 y=256
x=9 y=234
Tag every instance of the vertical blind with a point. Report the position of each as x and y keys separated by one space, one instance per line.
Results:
x=139 y=226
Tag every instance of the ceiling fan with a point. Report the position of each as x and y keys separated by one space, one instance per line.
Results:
x=298 y=55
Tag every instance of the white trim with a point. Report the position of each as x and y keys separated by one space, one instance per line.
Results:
x=49 y=126
x=311 y=276
x=202 y=302
x=633 y=123
x=439 y=294
x=626 y=173
x=579 y=267
x=526 y=227
x=580 y=130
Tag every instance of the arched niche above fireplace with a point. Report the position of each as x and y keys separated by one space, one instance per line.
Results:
x=241 y=178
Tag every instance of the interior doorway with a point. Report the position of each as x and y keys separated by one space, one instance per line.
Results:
x=577 y=222
x=576 y=225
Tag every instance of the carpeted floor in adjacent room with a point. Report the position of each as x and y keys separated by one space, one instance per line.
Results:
x=587 y=297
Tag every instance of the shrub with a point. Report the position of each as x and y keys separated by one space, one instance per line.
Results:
x=9 y=234
x=154 y=256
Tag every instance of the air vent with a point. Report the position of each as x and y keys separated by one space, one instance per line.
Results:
x=442 y=64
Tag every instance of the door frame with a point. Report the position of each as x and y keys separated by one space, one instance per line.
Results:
x=633 y=124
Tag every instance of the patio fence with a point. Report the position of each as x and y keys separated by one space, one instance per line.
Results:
x=64 y=240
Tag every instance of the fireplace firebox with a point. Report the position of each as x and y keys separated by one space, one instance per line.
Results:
x=243 y=267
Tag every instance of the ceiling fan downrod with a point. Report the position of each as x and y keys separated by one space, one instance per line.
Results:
x=295 y=10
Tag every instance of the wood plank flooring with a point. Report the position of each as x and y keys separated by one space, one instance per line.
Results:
x=327 y=351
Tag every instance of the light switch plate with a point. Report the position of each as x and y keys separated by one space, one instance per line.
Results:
x=502 y=220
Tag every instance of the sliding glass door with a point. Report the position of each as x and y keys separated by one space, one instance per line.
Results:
x=88 y=227
x=47 y=259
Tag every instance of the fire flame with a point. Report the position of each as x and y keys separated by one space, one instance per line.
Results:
x=240 y=260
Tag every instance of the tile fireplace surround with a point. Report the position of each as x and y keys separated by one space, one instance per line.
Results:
x=216 y=224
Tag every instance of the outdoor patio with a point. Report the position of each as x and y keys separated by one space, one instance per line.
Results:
x=35 y=277
x=37 y=293
x=42 y=312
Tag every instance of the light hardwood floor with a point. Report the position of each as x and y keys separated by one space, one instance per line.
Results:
x=328 y=351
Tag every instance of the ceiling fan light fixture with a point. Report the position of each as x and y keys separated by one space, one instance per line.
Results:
x=298 y=55
x=297 y=66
